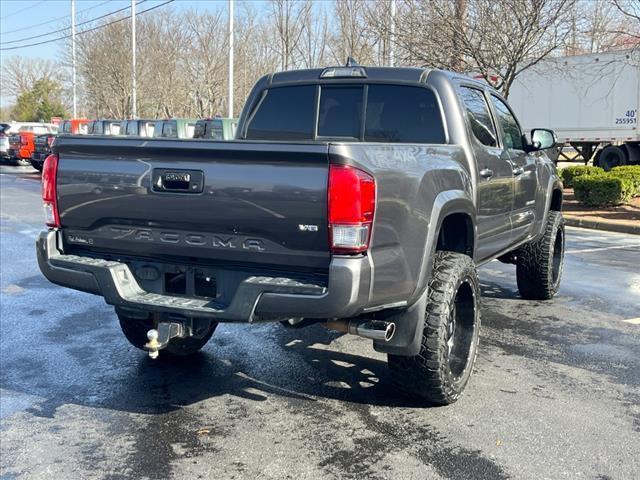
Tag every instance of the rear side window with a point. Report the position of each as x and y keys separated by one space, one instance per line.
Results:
x=479 y=116
x=284 y=114
x=397 y=113
x=340 y=112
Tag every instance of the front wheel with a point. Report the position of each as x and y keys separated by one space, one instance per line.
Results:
x=539 y=263
x=441 y=370
x=135 y=329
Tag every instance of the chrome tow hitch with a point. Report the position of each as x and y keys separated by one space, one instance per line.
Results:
x=159 y=338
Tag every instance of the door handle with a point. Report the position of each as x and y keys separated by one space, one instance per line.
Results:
x=486 y=173
x=518 y=171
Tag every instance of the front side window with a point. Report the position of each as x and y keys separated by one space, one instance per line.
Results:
x=509 y=124
x=285 y=113
x=479 y=117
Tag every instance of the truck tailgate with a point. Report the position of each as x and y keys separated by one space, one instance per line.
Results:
x=238 y=202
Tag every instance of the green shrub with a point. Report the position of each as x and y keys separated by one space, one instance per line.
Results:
x=631 y=173
x=570 y=173
x=602 y=190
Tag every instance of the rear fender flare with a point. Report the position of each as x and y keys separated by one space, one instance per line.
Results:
x=410 y=322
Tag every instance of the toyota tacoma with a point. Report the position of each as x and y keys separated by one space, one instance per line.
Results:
x=360 y=198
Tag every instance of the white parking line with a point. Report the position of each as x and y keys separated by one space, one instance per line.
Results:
x=597 y=249
x=633 y=321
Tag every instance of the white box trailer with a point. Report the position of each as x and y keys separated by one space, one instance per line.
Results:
x=590 y=101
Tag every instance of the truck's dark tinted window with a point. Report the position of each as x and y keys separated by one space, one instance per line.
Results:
x=132 y=128
x=284 y=114
x=340 y=113
x=509 y=124
x=397 y=113
x=479 y=116
x=170 y=129
x=66 y=127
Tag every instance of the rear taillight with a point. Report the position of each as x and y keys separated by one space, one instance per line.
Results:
x=50 y=191
x=352 y=202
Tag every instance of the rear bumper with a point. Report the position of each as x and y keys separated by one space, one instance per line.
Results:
x=257 y=298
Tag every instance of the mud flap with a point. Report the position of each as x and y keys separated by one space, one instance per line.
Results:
x=408 y=334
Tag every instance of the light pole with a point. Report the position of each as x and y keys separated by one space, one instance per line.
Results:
x=134 y=106
x=230 y=100
x=392 y=32
x=73 y=56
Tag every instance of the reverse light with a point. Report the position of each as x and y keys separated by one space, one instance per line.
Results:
x=352 y=202
x=50 y=191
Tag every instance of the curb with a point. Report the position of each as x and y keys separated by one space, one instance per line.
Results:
x=601 y=225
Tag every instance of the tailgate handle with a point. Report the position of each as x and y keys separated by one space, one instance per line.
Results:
x=178 y=181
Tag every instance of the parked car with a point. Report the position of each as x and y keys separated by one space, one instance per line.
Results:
x=359 y=198
x=4 y=141
x=22 y=142
x=74 y=126
x=216 y=128
x=137 y=128
x=43 y=143
x=104 y=127
x=174 y=128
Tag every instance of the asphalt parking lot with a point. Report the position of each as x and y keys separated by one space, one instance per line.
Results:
x=555 y=394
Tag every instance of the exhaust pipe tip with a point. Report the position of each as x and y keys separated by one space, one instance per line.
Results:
x=389 y=332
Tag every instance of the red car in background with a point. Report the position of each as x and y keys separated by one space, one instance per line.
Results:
x=44 y=142
x=22 y=143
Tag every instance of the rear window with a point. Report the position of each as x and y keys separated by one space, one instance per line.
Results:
x=340 y=113
x=284 y=114
x=393 y=113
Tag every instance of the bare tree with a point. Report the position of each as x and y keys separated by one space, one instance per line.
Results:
x=20 y=73
x=497 y=41
x=290 y=18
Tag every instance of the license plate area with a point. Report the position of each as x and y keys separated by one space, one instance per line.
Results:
x=190 y=283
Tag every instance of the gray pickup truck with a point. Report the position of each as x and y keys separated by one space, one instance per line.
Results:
x=359 y=198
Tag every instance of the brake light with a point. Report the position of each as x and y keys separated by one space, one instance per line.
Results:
x=352 y=202
x=50 y=191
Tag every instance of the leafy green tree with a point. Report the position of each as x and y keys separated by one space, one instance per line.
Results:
x=40 y=102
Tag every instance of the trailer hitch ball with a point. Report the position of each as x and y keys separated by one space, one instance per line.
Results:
x=153 y=345
x=160 y=338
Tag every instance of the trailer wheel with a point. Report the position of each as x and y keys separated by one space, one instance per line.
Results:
x=135 y=329
x=612 y=156
x=440 y=371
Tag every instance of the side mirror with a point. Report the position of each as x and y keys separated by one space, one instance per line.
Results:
x=541 y=138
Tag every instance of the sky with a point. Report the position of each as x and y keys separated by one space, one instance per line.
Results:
x=24 y=22
x=20 y=19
